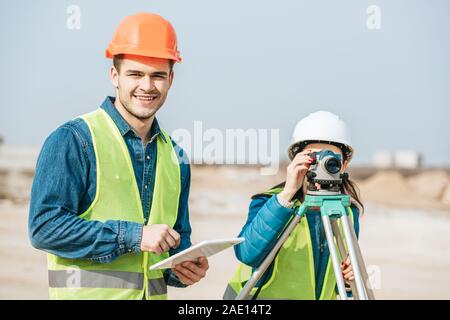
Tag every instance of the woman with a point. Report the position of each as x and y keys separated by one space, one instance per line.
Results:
x=302 y=268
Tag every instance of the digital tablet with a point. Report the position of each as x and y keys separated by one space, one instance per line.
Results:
x=205 y=248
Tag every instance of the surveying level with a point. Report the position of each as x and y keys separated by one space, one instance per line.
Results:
x=334 y=208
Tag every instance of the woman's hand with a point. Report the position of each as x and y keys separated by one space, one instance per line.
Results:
x=295 y=174
x=347 y=271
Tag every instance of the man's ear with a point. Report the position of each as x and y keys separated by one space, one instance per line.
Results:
x=171 y=75
x=114 y=76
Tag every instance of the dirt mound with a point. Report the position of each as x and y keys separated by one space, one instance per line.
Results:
x=445 y=199
x=431 y=184
x=391 y=188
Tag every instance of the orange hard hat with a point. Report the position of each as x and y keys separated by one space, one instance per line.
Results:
x=145 y=34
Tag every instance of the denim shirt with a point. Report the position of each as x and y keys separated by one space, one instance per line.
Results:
x=64 y=187
x=266 y=221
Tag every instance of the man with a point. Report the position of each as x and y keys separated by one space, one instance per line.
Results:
x=110 y=194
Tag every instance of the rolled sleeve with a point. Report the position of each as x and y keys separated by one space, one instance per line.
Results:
x=130 y=236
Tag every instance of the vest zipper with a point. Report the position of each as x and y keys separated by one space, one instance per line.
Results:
x=146 y=221
x=143 y=186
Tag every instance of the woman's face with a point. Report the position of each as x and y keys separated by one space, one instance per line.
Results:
x=314 y=147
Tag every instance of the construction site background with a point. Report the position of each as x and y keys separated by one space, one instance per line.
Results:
x=404 y=230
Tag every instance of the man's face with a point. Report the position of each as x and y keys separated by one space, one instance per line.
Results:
x=142 y=84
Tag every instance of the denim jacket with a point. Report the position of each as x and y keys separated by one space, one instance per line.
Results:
x=64 y=186
x=266 y=221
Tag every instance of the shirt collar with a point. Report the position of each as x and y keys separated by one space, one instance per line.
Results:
x=123 y=126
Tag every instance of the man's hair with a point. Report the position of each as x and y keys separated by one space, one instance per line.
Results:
x=117 y=60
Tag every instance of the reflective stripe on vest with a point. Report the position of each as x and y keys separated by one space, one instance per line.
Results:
x=118 y=198
x=95 y=279
x=104 y=279
x=293 y=271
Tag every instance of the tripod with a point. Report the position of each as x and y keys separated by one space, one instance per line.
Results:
x=333 y=208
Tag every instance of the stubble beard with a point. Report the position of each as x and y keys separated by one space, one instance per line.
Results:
x=147 y=114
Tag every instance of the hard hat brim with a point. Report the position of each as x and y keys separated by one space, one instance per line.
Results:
x=291 y=153
x=162 y=54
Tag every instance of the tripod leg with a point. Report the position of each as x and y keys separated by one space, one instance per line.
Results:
x=334 y=257
x=343 y=252
x=362 y=265
x=245 y=292
x=353 y=259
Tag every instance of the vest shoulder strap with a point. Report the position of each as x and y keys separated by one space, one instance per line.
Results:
x=273 y=191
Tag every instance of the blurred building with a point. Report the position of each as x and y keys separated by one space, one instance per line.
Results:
x=407 y=159
x=399 y=159
x=383 y=159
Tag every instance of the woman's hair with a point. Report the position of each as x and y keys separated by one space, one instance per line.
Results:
x=348 y=187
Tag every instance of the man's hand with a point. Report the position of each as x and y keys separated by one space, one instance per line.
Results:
x=159 y=238
x=191 y=272
x=347 y=271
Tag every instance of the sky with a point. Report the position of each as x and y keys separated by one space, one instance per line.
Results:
x=257 y=65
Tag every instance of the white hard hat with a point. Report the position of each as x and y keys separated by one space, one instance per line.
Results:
x=321 y=126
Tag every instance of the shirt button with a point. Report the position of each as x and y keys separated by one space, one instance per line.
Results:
x=145 y=186
x=147 y=157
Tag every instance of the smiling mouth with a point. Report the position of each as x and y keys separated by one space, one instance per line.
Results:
x=145 y=97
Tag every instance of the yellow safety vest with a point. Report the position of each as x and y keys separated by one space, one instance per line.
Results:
x=293 y=270
x=117 y=198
